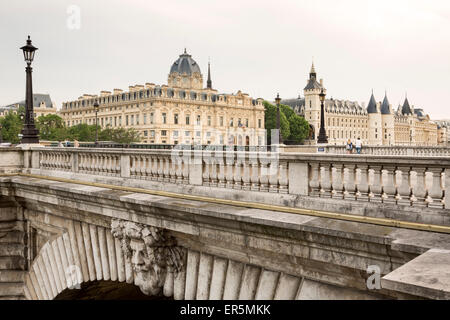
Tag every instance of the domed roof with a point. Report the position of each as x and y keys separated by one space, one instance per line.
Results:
x=185 y=64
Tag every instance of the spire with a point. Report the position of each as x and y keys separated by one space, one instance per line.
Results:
x=406 y=109
x=185 y=51
x=385 y=106
x=209 y=82
x=313 y=72
x=372 y=107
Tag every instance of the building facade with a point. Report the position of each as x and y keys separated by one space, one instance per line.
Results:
x=182 y=112
x=42 y=106
x=376 y=124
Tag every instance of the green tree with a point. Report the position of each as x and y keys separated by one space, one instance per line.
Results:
x=294 y=128
x=11 y=126
x=270 y=120
x=122 y=135
x=82 y=132
x=51 y=127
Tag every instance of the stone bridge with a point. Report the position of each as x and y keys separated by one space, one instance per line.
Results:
x=188 y=224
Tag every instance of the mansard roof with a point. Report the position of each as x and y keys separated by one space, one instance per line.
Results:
x=372 y=107
x=37 y=99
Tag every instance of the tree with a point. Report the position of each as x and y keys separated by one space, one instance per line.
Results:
x=122 y=135
x=11 y=126
x=270 y=120
x=294 y=128
x=51 y=127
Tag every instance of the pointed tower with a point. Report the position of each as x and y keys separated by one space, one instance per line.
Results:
x=209 y=82
x=408 y=112
x=375 y=123
x=387 y=119
x=312 y=101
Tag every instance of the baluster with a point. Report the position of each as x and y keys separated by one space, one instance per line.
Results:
x=205 y=174
x=389 y=188
x=435 y=195
x=213 y=173
x=284 y=179
x=154 y=169
x=350 y=184
x=376 y=186
x=337 y=181
x=325 y=180
x=160 y=168
x=165 y=163
x=142 y=166
x=246 y=184
x=264 y=177
x=404 y=188
x=254 y=178
x=363 y=183
x=172 y=170
x=419 y=190
x=186 y=170
x=273 y=176
x=229 y=174
x=221 y=175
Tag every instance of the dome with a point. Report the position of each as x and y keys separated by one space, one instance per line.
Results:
x=185 y=64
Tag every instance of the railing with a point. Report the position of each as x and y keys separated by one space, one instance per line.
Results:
x=393 y=150
x=415 y=181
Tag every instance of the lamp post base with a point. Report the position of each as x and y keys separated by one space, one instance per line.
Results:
x=30 y=135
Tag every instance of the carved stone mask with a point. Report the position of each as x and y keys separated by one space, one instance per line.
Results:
x=151 y=252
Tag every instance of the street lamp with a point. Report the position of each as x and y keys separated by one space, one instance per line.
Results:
x=322 y=133
x=277 y=101
x=29 y=131
x=96 y=105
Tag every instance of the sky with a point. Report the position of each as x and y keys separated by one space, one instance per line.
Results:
x=259 y=47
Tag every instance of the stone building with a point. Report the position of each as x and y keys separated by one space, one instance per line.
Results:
x=42 y=105
x=376 y=124
x=182 y=112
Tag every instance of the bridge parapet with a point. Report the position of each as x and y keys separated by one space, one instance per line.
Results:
x=416 y=181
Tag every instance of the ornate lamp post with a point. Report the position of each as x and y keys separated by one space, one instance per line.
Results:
x=322 y=139
x=29 y=131
x=277 y=101
x=96 y=105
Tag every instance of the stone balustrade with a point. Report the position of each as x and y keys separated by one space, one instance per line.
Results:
x=381 y=150
x=405 y=180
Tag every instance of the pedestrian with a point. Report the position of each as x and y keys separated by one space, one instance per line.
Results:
x=60 y=144
x=76 y=144
x=358 y=146
x=349 y=146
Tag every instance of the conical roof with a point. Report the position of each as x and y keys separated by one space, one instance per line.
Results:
x=372 y=107
x=385 y=106
x=406 y=109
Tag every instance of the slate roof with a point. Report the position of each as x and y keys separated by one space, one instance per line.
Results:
x=185 y=64
x=37 y=99
x=372 y=107
x=385 y=106
x=406 y=109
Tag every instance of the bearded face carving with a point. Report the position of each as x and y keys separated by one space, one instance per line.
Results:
x=152 y=252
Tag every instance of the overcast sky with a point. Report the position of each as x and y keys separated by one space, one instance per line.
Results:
x=259 y=47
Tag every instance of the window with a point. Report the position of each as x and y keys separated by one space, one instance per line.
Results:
x=198 y=133
x=259 y=123
x=152 y=133
x=208 y=134
x=187 y=133
x=239 y=122
x=246 y=122
x=137 y=119
x=132 y=119
x=145 y=133
x=175 y=118
x=120 y=120
x=164 y=133
x=175 y=134
x=145 y=118
x=231 y=122
x=187 y=119
x=164 y=118
x=115 y=121
x=151 y=118
x=221 y=121
x=126 y=120
x=198 y=120
x=209 y=120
